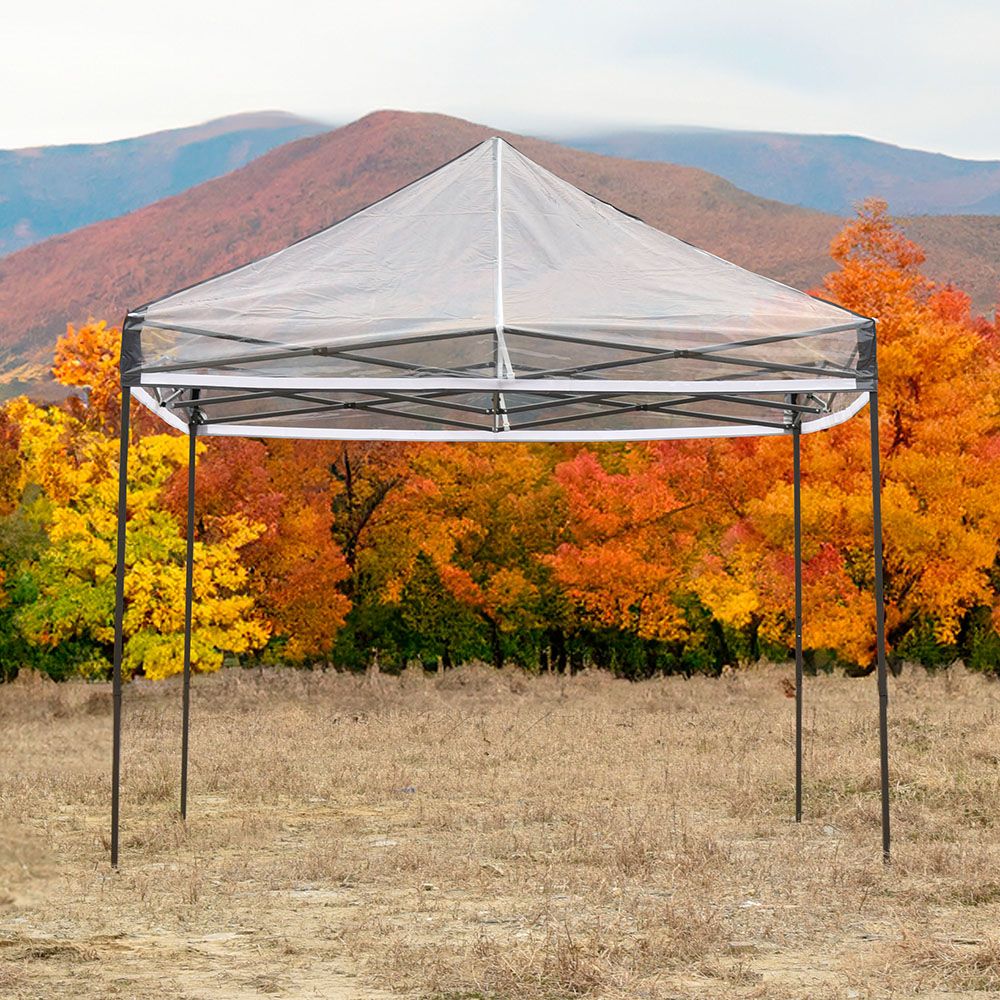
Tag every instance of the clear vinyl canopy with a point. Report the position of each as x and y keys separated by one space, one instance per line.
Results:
x=491 y=300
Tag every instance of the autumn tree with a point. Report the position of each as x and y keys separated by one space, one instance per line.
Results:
x=448 y=562
x=87 y=359
x=67 y=588
x=295 y=566
x=11 y=486
x=491 y=513
x=634 y=517
x=623 y=560
x=939 y=380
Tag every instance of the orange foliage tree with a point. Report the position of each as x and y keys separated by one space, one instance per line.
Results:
x=489 y=514
x=447 y=543
x=632 y=513
x=939 y=381
x=296 y=566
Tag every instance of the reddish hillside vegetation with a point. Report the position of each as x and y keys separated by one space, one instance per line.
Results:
x=306 y=185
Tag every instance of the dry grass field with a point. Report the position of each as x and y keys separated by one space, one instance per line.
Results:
x=483 y=834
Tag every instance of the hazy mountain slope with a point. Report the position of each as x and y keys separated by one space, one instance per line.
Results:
x=298 y=188
x=54 y=189
x=827 y=172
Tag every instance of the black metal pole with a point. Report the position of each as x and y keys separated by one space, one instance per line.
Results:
x=880 y=661
x=797 y=516
x=188 y=596
x=116 y=743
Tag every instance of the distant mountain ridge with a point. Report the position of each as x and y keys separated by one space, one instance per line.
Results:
x=830 y=173
x=48 y=190
x=296 y=189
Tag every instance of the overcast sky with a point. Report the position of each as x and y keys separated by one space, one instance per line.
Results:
x=923 y=73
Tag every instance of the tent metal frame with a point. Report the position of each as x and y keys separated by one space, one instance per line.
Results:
x=793 y=411
x=392 y=386
x=749 y=391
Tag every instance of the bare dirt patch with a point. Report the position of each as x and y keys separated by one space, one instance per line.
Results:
x=481 y=834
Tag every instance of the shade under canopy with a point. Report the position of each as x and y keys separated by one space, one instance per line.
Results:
x=492 y=300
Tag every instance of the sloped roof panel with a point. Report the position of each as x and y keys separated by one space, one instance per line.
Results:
x=424 y=314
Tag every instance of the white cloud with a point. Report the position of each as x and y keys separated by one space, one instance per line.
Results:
x=916 y=73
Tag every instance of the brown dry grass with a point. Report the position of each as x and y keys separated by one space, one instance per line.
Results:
x=482 y=834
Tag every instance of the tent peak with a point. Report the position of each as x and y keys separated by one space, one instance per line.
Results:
x=497 y=142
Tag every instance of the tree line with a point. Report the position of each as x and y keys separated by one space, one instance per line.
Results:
x=638 y=558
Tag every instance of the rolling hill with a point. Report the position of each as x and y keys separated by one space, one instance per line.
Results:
x=53 y=189
x=827 y=172
x=300 y=187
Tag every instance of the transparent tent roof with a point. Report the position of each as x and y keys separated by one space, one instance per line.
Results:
x=492 y=300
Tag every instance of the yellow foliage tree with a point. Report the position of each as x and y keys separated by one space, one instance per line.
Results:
x=484 y=512
x=75 y=468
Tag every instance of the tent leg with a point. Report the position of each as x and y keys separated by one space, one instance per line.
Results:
x=188 y=596
x=883 y=687
x=797 y=516
x=116 y=744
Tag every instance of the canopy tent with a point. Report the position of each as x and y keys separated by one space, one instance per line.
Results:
x=493 y=301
